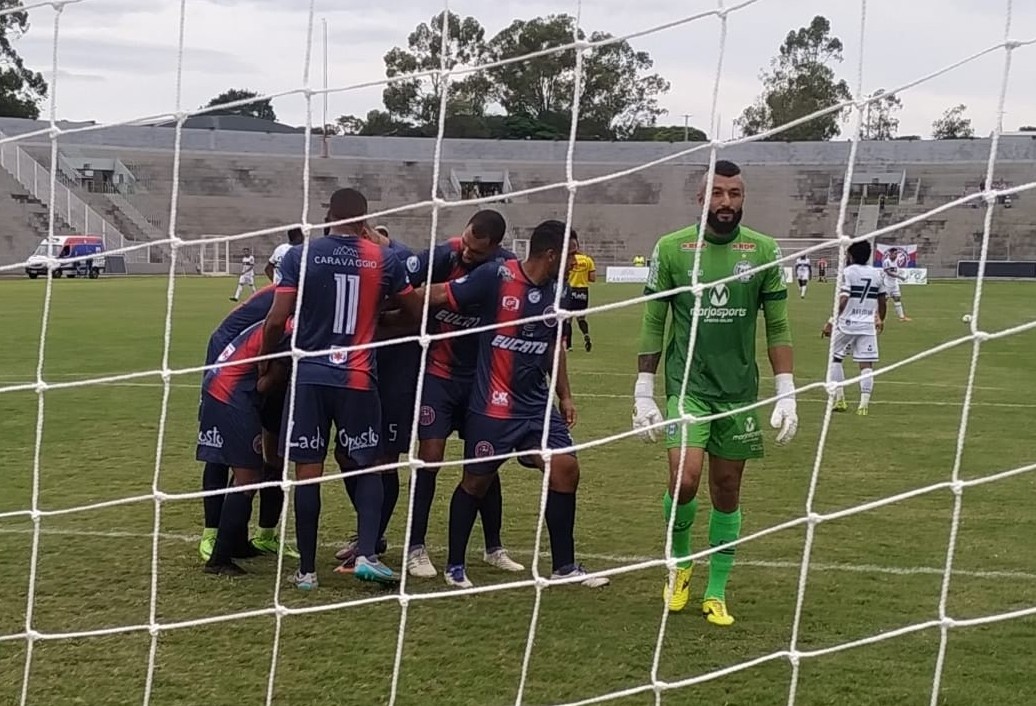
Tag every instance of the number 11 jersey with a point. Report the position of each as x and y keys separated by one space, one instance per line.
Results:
x=347 y=279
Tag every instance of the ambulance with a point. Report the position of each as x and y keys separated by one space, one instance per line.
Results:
x=66 y=247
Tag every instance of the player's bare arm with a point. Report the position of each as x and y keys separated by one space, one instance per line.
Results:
x=882 y=311
x=268 y=271
x=843 y=301
x=438 y=296
x=564 y=390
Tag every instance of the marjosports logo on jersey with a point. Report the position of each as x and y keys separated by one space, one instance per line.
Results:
x=719 y=309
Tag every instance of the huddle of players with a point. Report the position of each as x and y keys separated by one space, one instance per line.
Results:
x=358 y=287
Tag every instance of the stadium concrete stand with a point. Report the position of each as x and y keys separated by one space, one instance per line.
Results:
x=233 y=181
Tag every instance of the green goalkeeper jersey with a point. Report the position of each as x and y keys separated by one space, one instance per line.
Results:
x=724 y=365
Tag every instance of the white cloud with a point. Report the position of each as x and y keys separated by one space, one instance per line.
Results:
x=127 y=48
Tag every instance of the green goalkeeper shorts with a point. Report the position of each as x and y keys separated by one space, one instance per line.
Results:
x=737 y=437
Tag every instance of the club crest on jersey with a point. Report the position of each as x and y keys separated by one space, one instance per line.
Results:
x=510 y=303
x=484 y=449
x=741 y=268
x=552 y=321
x=338 y=357
x=427 y=416
x=535 y=296
x=413 y=264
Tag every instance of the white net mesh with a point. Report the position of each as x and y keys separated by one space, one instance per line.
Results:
x=213 y=256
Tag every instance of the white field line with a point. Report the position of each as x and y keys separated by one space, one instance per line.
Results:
x=610 y=558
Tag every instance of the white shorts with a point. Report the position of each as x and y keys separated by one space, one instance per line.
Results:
x=246 y=280
x=862 y=346
x=892 y=287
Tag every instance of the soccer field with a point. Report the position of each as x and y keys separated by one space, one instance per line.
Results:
x=871 y=572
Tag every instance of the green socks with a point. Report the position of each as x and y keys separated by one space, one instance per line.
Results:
x=268 y=533
x=209 y=532
x=682 y=527
x=724 y=527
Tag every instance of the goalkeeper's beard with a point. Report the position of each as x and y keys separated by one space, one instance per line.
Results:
x=724 y=227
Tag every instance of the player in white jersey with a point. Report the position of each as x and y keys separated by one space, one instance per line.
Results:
x=247 y=278
x=273 y=265
x=861 y=317
x=803 y=271
x=890 y=268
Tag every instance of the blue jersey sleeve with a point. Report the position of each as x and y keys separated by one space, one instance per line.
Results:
x=394 y=275
x=471 y=291
x=291 y=267
x=417 y=267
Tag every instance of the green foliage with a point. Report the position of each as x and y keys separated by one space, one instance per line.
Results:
x=800 y=82
x=535 y=94
x=953 y=125
x=262 y=109
x=21 y=90
x=879 y=123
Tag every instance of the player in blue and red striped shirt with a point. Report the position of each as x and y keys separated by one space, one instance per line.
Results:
x=231 y=434
x=510 y=394
x=215 y=476
x=347 y=279
x=448 y=380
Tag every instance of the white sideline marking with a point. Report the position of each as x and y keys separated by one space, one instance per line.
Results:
x=613 y=558
x=879 y=402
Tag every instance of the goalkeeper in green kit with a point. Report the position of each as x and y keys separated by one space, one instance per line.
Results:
x=723 y=374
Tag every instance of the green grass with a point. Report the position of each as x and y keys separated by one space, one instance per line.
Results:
x=94 y=569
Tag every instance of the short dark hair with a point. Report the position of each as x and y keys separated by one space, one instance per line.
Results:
x=726 y=168
x=347 y=203
x=549 y=235
x=860 y=252
x=295 y=235
x=488 y=224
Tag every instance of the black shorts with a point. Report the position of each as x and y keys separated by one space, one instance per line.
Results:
x=803 y=282
x=354 y=414
x=578 y=298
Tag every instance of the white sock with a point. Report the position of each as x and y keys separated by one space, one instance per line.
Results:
x=237 y=292
x=899 y=309
x=802 y=291
x=837 y=374
x=866 y=386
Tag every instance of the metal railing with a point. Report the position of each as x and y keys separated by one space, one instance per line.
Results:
x=32 y=175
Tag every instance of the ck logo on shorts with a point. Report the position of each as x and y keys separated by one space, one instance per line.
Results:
x=484 y=449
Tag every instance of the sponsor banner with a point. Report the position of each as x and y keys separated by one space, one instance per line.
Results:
x=626 y=274
x=914 y=275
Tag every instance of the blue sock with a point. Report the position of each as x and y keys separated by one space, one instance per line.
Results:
x=233 y=524
x=214 y=476
x=424 y=494
x=492 y=512
x=307 y=519
x=390 y=487
x=561 y=522
x=463 y=510
x=369 y=495
x=271 y=499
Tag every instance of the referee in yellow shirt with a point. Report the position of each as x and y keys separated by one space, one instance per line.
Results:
x=577 y=296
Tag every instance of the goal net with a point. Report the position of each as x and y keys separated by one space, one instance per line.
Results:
x=297 y=635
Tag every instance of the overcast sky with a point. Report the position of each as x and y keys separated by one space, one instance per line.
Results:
x=117 y=58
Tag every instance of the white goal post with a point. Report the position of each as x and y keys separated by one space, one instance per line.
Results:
x=214 y=258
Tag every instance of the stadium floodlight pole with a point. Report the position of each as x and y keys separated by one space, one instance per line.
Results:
x=686 y=126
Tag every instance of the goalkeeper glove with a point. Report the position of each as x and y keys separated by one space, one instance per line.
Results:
x=645 y=411
x=785 y=418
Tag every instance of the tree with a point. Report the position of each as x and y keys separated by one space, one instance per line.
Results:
x=879 y=123
x=21 y=90
x=953 y=125
x=617 y=96
x=417 y=100
x=261 y=109
x=800 y=82
x=668 y=133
